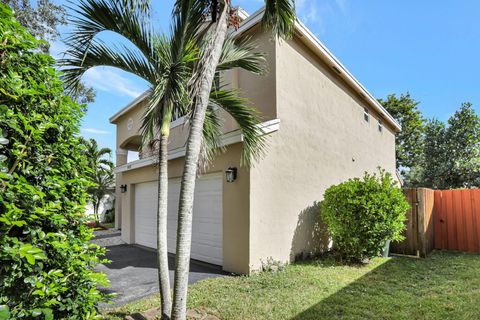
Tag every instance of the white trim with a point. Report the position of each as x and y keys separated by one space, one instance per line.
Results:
x=129 y=106
x=346 y=75
x=330 y=59
x=242 y=13
x=227 y=139
x=175 y=123
x=321 y=51
x=121 y=152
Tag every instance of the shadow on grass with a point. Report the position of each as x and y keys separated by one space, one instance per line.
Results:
x=443 y=286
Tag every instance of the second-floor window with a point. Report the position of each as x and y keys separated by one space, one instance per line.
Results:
x=366 y=115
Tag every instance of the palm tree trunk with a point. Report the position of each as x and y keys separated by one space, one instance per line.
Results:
x=96 y=206
x=162 y=213
x=202 y=85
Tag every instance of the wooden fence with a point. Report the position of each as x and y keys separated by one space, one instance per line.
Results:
x=457 y=220
x=419 y=232
x=441 y=219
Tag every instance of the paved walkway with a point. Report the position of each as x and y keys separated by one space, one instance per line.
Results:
x=133 y=273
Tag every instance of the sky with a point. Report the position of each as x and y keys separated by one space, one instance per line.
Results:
x=429 y=48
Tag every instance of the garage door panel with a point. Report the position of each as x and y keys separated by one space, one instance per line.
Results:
x=207 y=228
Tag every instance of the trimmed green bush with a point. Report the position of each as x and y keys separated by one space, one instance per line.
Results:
x=362 y=214
x=46 y=260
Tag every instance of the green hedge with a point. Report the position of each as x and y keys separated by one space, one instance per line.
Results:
x=362 y=214
x=46 y=260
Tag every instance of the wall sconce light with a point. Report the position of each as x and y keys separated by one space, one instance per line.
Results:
x=123 y=188
x=231 y=174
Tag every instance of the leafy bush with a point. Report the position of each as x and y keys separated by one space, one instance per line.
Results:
x=362 y=214
x=46 y=260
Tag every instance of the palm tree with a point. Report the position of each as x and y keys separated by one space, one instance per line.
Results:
x=167 y=64
x=101 y=174
x=280 y=17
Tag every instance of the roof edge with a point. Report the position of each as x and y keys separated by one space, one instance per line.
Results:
x=129 y=106
x=322 y=52
x=330 y=59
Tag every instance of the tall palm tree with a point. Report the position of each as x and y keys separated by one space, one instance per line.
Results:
x=280 y=17
x=167 y=64
x=101 y=173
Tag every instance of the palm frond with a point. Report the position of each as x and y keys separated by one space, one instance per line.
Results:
x=78 y=61
x=143 y=6
x=241 y=54
x=280 y=17
x=91 y=17
x=248 y=120
x=212 y=132
x=188 y=19
x=170 y=90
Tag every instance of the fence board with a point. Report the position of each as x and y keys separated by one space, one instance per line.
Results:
x=476 y=218
x=457 y=220
x=420 y=227
x=409 y=246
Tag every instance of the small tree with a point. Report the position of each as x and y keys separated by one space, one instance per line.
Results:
x=463 y=148
x=362 y=214
x=434 y=167
x=409 y=142
x=101 y=173
x=46 y=261
x=451 y=153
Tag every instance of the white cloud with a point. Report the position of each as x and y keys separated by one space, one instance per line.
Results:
x=57 y=49
x=94 y=131
x=318 y=14
x=112 y=81
x=342 y=5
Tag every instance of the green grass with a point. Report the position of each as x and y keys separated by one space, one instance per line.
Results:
x=443 y=286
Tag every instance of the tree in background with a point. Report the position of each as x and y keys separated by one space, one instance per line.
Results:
x=451 y=153
x=46 y=260
x=42 y=20
x=101 y=172
x=433 y=168
x=409 y=142
x=463 y=148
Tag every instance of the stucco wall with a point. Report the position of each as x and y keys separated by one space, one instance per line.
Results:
x=235 y=205
x=323 y=140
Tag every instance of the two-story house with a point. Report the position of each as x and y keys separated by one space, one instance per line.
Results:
x=323 y=127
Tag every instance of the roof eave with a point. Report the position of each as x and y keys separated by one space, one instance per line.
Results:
x=331 y=60
x=129 y=106
x=321 y=51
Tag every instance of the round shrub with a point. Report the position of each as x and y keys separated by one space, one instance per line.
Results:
x=362 y=214
x=46 y=261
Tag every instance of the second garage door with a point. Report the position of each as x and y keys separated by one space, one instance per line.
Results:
x=207 y=233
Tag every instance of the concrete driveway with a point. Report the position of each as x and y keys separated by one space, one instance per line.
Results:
x=133 y=273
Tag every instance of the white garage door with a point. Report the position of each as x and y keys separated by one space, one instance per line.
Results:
x=207 y=233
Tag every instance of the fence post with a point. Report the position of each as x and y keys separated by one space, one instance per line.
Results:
x=425 y=200
x=422 y=250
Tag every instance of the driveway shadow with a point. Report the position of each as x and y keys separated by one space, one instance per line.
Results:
x=133 y=272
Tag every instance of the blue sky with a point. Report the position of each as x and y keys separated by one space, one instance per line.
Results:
x=429 y=48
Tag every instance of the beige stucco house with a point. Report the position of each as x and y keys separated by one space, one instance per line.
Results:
x=323 y=127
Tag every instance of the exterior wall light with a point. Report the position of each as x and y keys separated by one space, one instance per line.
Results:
x=231 y=174
x=123 y=188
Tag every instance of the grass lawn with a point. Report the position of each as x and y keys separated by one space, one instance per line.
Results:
x=443 y=286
